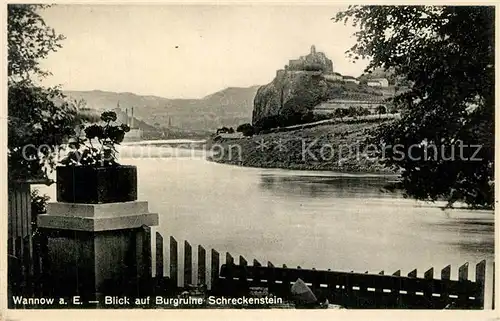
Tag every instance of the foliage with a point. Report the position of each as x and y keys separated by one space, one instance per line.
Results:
x=36 y=129
x=39 y=119
x=284 y=120
x=447 y=55
x=84 y=153
x=381 y=109
x=340 y=112
x=226 y=130
x=29 y=41
x=38 y=204
x=392 y=109
x=247 y=129
x=357 y=111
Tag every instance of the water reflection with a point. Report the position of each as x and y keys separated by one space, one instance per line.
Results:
x=476 y=233
x=329 y=186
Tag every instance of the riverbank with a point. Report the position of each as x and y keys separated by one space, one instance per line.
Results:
x=332 y=147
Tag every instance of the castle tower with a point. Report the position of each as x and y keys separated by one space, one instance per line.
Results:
x=313 y=49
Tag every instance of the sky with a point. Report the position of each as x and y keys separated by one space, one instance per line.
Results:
x=188 y=51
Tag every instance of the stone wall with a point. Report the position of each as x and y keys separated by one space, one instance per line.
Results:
x=331 y=105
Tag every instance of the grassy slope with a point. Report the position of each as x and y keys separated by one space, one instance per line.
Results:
x=294 y=146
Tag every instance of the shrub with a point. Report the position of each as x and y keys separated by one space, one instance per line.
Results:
x=38 y=205
x=84 y=153
x=381 y=109
x=294 y=118
x=223 y=130
x=246 y=129
x=362 y=111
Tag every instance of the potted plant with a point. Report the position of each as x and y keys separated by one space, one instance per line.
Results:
x=90 y=173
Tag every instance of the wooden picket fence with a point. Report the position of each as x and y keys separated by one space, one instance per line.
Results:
x=363 y=290
x=23 y=257
x=348 y=289
x=25 y=265
x=202 y=278
x=206 y=269
x=19 y=214
x=19 y=219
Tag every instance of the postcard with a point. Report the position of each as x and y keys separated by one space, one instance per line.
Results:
x=250 y=157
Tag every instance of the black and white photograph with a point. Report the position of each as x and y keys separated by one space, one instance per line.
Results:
x=249 y=156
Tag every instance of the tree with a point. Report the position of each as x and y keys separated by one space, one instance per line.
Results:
x=352 y=111
x=29 y=41
x=39 y=119
x=337 y=113
x=381 y=110
x=447 y=55
x=246 y=129
x=340 y=112
x=362 y=111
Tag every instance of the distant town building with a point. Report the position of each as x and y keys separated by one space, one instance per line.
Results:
x=378 y=82
x=350 y=79
x=135 y=133
x=333 y=77
x=236 y=135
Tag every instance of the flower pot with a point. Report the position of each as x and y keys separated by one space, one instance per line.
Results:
x=94 y=185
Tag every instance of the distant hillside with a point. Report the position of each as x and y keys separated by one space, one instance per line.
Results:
x=229 y=107
x=148 y=131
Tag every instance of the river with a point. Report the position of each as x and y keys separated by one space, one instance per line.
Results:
x=304 y=218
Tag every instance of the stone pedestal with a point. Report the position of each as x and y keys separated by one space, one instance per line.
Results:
x=93 y=250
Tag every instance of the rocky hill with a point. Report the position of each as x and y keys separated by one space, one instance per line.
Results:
x=229 y=107
x=303 y=84
x=291 y=93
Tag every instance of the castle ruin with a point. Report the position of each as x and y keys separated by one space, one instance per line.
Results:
x=314 y=61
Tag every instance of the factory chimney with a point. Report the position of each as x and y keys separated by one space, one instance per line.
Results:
x=126 y=116
x=132 y=118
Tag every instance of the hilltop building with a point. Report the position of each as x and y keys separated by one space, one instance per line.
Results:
x=313 y=62
x=350 y=79
x=333 y=77
x=316 y=63
x=378 y=82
